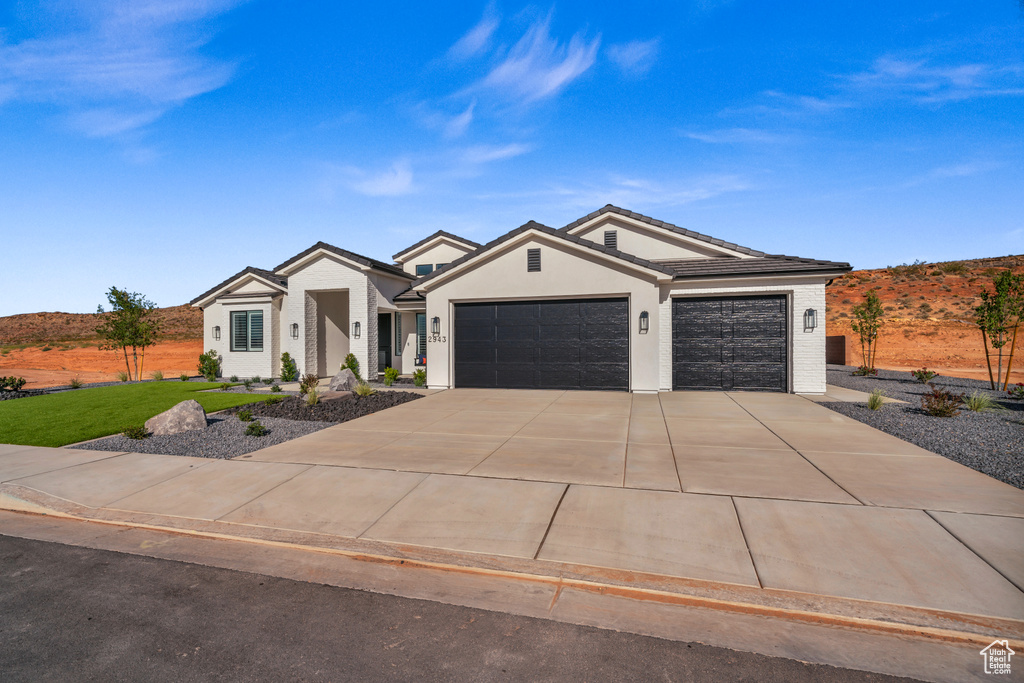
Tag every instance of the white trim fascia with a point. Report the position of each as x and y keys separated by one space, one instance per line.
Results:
x=755 y=281
x=419 y=306
x=662 y=278
x=280 y=289
x=409 y=254
x=647 y=227
x=319 y=253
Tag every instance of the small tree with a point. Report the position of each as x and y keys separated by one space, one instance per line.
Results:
x=130 y=323
x=998 y=317
x=868 y=322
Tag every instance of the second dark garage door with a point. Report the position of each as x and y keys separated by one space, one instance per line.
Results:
x=727 y=343
x=570 y=344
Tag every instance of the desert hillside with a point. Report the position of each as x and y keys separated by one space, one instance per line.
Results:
x=929 y=313
x=178 y=323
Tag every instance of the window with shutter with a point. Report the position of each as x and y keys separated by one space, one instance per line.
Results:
x=255 y=330
x=421 y=338
x=246 y=330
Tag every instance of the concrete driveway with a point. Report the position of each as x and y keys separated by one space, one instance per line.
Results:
x=760 y=492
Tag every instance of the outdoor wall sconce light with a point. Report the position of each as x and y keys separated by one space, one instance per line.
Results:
x=295 y=330
x=216 y=333
x=435 y=325
x=645 y=322
x=355 y=330
x=810 y=319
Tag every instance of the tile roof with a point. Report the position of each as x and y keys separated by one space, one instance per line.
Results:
x=439 y=233
x=265 y=274
x=410 y=294
x=770 y=264
x=351 y=256
x=609 y=208
x=533 y=225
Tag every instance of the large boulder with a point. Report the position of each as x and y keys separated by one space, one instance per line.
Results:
x=187 y=416
x=345 y=380
x=335 y=395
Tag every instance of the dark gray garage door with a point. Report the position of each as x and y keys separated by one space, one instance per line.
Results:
x=574 y=344
x=729 y=343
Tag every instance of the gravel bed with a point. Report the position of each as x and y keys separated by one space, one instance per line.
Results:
x=992 y=442
x=224 y=437
x=294 y=408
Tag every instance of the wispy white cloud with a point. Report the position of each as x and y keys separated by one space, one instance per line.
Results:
x=457 y=125
x=478 y=39
x=538 y=66
x=121 y=67
x=482 y=154
x=636 y=57
x=925 y=83
x=392 y=182
x=964 y=170
x=732 y=136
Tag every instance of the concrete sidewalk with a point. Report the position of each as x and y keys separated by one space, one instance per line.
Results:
x=757 y=503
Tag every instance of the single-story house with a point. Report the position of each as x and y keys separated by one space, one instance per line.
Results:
x=615 y=301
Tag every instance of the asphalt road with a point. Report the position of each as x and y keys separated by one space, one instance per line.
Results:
x=70 y=613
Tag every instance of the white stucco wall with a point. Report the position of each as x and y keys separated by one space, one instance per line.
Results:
x=566 y=273
x=806 y=354
x=244 y=364
x=646 y=242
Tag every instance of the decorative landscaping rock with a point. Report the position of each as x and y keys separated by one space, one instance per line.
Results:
x=345 y=380
x=187 y=416
x=335 y=395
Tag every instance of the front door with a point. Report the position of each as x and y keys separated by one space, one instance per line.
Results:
x=383 y=341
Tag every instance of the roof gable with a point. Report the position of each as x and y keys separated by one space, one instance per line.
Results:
x=438 y=237
x=509 y=239
x=362 y=262
x=276 y=282
x=689 y=237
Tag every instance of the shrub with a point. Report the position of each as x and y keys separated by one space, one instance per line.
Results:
x=13 y=383
x=269 y=380
x=157 y=376
x=209 y=365
x=1016 y=392
x=233 y=378
x=76 y=383
x=276 y=388
x=122 y=376
x=256 y=428
x=256 y=379
x=941 y=402
x=248 y=384
x=137 y=432
x=273 y=400
x=864 y=371
x=47 y=348
x=953 y=268
x=924 y=375
x=390 y=375
x=352 y=364
x=980 y=402
x=312 y=397
x=419 y=378
x=289 y=371
x=309 y=381
x=876 y=399
x=363 y=389
x=225 y=386
x=245 y=415
x=184 y=377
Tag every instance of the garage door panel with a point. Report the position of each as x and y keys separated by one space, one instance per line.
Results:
x=729 y=343
x=574 y=344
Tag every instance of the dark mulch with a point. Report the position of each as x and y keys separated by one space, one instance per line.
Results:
x=990 y=442
x=338 y=410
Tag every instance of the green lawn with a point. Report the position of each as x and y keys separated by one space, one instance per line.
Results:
x=73 y=416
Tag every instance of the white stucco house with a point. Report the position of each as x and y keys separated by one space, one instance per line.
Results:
x=615 y=300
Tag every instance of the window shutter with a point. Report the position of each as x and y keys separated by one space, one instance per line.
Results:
x=255 y=330
x=398 y=333
x=611 y=239
x=533 y=260
x=421 y=334
x=239 y=331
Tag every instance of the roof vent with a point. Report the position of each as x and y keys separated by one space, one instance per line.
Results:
x=533 y=260
x=611 y=239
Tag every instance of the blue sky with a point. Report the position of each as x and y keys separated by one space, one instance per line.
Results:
x=162 y=146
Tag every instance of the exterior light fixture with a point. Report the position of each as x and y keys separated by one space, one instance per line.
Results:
x=356 y=330
x=645 y=322
x=295 y=330
x=810 y=319
x=216 y=333
x=435 y=325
